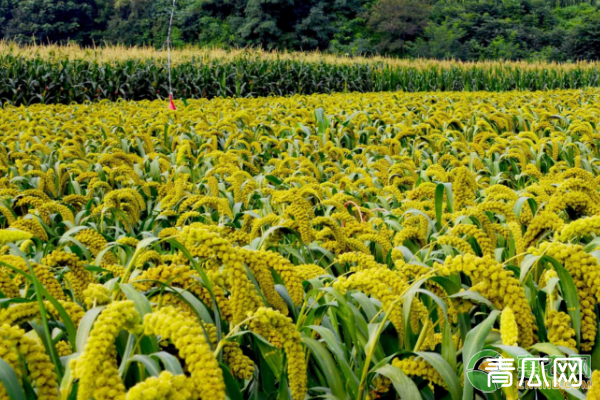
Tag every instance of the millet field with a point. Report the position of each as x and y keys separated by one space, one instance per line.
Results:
x=339 y=242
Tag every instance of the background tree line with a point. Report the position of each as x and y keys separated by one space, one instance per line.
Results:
x=559 y=30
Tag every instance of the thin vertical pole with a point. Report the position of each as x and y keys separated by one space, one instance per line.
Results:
x=169 y=46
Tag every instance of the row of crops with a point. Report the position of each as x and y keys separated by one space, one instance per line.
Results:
x=346 y=246
x=77 y=76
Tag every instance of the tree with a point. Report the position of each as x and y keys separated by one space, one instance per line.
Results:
x=397 y=21
x=54 y=21
x=443 y=41
x=583 y=42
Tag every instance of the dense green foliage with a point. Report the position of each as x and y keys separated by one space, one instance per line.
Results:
x=557 y=30
x=29 y=80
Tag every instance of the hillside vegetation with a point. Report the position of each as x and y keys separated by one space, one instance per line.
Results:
x=553 y=30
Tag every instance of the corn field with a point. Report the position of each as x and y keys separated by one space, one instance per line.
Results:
x=50 y=75
x=344 y=246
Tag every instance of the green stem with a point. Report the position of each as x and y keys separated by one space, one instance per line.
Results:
x=423 y=335
x=371 y=352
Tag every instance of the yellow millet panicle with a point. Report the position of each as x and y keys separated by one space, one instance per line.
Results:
x=9 y=338
x=147 y=257
x=241 y=366
x=187 y=335
x=267 y=322
x=309 y=271
x=182 y=276
x=47 y=278
x=64 y=348
x=15 y=343
x=13 y=235
x=41 y=369
x=498 y=285
x=164 y=387
x=78 y=276
x=416 y=366
x=115 y=270
x=286 y=270
x=165 y=233
x=461 y=245
x=95 y=242
x=31 y=226
x=594 y=392
x=509 y=331
x=478 y=234
x=585 y=270
x=464 y=187
x=560 y=331
x=381 y=384
x=517 y=235
x=26 y=245
x=7 y=286
x=383 y=284
x=205 y=244
x=362 y=261
x=96 y=295
x=17 y=313
x=543 y=221
x=128 y=241
x=97 y=368
x=257 y=261
x=578 y=228
x=74 y=310
x=546 y=276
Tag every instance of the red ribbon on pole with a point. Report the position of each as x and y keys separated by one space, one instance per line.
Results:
x=171 y=104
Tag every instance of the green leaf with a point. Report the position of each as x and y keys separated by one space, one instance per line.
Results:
x=328 y=366
x=446 y=371
x=513 y=351
x=548 y=348
x=405 y=387
x=517 y=209
x=151 y=366
x=596 y=352
x=448 y=348
x=272 y=355
x=569 y=292
x=85 y=326
x=474 y=296
x=474 y=342
x=439 y=200
x=10 y=381
x=170 y=362
x=231 y=385
x=551 y=394
x=274 y=180
x=333 y=344
x=142 y=305
x=526 y=265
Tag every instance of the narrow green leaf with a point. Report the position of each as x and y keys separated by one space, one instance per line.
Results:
x=405 y=387
x=569 y=292
x=474 y=342
x=10 y=381
x=231 y=385
x=328 y=366
x=170 y=362
x=446 y=371
x=151 y=365
x=526 y=265
x=85 y=326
